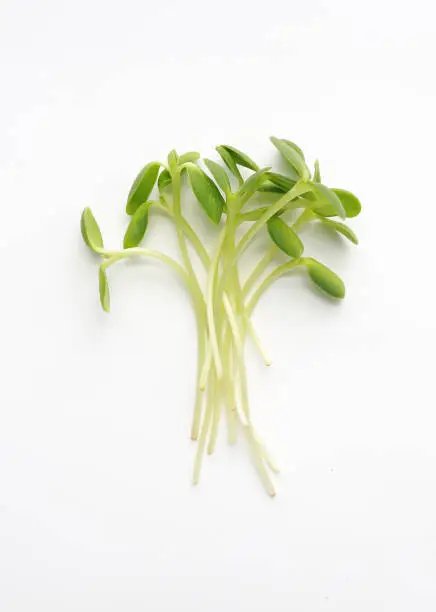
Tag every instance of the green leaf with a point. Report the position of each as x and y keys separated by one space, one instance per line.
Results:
x=220 y=175
x=103 y=289
x=326 y=197
x=316 y=173
x=164 y=179
x=349 y=201
x=137 y=226
x=280 y=180
x=91 y=233
x=294 y=146
x=191 y=156
x=252 y=184
x=206 y=192
x=292 y=156
x=269 y=187
x=229 y=162
x=284 y=237
x=325 y=279
x=142 y=187
x=341 y=228
x=350 y=204
x=240 y=158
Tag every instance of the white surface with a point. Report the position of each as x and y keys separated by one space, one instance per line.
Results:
x=96 y=508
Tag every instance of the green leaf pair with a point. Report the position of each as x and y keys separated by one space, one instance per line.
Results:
x=233 y=158
x=350 y=205
x=293 y=155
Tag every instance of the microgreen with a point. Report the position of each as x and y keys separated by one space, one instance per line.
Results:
x=224 y=306
x=142 y=186
x=90 y=231
x=137 y=227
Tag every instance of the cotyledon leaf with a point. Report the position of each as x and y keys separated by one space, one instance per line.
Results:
x=341 y=228
x=103 y=287
x=229 y=162
x=269 y=187
x=137 y=227
x=191 y=156
x=219 y=174
x=252 y=184
x=164 y=179
x=206 y=192
x=284 y=237
x=327 y=280
x=294 y=146
x=240 y=158
x=91 y=233
x=280 y=180
x=350 y=204
x=142 y=187
x=326 y=197
x=292 y=156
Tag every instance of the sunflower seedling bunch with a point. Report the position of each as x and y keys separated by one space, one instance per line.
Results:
x=234 y=193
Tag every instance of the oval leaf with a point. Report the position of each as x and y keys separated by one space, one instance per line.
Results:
x=350 y=204
x=240 y=158
x=280 y=180
x=325 y=279
x=341 y=228
x=91 y=233
x=164 y=179
x=206 y=192
x=269 y=187
x=284 y=237
x=325 y=197
x=191 y=156
x=292 y=156
x=103 y=287
x=137 y=226
x=295 y=147
x=252 y=184
x=220 y=175
x=142 y=186
x=349 y=201
x=229 y=162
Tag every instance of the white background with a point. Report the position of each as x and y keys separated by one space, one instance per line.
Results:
x=97 y=512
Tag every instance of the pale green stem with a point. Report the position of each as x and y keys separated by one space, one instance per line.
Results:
x=245 y=241
x=275 y=274
x=259 y=270
x=210 y=312
x=181 y=228
x=205 y=426
x=257 y=341
x=215 y=419
x=205 y=259
x=259 y=462
x=228 y=384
